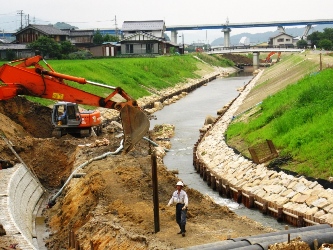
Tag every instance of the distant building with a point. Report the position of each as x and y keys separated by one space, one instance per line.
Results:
x=81 y=38
x=145 y=37
x=33 y=31
x=20 y=50
x=282 y=40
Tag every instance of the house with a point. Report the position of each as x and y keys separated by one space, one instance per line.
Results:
x=20 y=50
x=145 y=37
x=81 y=38
x=282 y=40
x=32 y=32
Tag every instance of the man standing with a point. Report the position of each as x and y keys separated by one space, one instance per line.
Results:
x=180 y=198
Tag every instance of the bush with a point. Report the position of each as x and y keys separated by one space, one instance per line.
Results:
x=82 y=54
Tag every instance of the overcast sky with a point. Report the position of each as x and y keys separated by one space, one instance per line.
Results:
x=101 y=13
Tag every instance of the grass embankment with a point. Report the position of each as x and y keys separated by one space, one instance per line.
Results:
x=135 y=75
x=298 y=120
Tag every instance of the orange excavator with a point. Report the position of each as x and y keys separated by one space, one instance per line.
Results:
x=269 y=59
x=28 y=77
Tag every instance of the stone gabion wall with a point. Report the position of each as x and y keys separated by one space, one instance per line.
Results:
x=295 y=199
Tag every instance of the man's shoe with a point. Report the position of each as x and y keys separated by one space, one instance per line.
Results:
x=180 y=232
x=183 y=234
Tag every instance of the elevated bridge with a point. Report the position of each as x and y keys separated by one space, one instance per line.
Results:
x=226 y=27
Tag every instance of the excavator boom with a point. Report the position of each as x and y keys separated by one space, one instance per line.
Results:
x=28 y=77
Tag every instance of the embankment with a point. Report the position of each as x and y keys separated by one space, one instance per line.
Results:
x=292 y=199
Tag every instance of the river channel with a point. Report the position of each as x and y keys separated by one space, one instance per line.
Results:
x=188 y=116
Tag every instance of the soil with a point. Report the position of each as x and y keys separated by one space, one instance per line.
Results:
x=111 y=206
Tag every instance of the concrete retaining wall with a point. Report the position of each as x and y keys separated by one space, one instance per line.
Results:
x=294 y=199
x=20 y=195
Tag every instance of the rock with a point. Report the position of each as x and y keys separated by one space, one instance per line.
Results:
x=209 y=120
x=158 y=105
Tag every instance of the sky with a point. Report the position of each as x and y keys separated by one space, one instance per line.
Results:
x=100 y=14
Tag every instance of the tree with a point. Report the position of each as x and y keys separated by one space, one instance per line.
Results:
x=325 y=44
x=67 y=47
x=328 y=34
x=98 y=37
x=302 y=44
x=314 y=38
x=46 y=46
x=110 y=38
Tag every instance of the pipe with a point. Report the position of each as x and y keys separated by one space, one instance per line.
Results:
x=262 y=241
x=52 y=201
x=155 y=144
x=226 y=244
x=265 y=242
x=296 y=230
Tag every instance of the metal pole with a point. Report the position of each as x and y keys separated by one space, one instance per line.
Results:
x=183 y=43
x=155 y=192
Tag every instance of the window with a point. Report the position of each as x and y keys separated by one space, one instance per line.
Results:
x=149 y=48
x=287 y=40
x=129 y=48
x=280 y=40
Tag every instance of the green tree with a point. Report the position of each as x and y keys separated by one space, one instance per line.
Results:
x=66 y=47
x=302 y=44
x=314 y=38
x=98 y=37
x=46 y=46
x=110 y=38
x=328 y=34
x=325 y=44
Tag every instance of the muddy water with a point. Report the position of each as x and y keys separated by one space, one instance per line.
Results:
x=188 y=116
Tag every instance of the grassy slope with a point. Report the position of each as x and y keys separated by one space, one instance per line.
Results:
x=134 y=75
x=297 y=120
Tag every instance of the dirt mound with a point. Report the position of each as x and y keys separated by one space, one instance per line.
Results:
x=238 y=59
x=111 y=205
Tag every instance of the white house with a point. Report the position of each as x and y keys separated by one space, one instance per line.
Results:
x=282 y=40
x=145 y=37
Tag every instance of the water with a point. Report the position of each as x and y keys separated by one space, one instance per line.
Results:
x=188 y=115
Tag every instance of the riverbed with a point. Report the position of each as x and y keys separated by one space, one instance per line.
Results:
x=188 y=116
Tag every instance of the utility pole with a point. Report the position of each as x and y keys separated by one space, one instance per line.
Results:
x=115 y=24
x=20 y=12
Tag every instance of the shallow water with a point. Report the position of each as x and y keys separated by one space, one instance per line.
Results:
x=188 y=115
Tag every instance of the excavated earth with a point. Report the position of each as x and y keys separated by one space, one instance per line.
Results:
x=111 y=207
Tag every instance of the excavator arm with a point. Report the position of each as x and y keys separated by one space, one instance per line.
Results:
x=29 y=77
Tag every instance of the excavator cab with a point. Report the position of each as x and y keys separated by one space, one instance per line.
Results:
x=66 y=114
x=67 y=119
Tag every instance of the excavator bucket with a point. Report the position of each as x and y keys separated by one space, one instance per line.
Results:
x=135 y=126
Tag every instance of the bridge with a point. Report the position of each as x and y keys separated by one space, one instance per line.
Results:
x=226 y=27
x=250 y=49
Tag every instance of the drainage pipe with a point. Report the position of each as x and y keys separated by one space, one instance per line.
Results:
x=257 y=240
x=155 y=144
x=296 y=230
x=52 y=201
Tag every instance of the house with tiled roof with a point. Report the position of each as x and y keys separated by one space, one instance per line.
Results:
x=282 y=40
x=145 y=37
x=32 y=32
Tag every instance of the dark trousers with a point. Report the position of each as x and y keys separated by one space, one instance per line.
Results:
x=180 y=215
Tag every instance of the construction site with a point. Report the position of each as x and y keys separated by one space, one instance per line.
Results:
x=107 y=196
